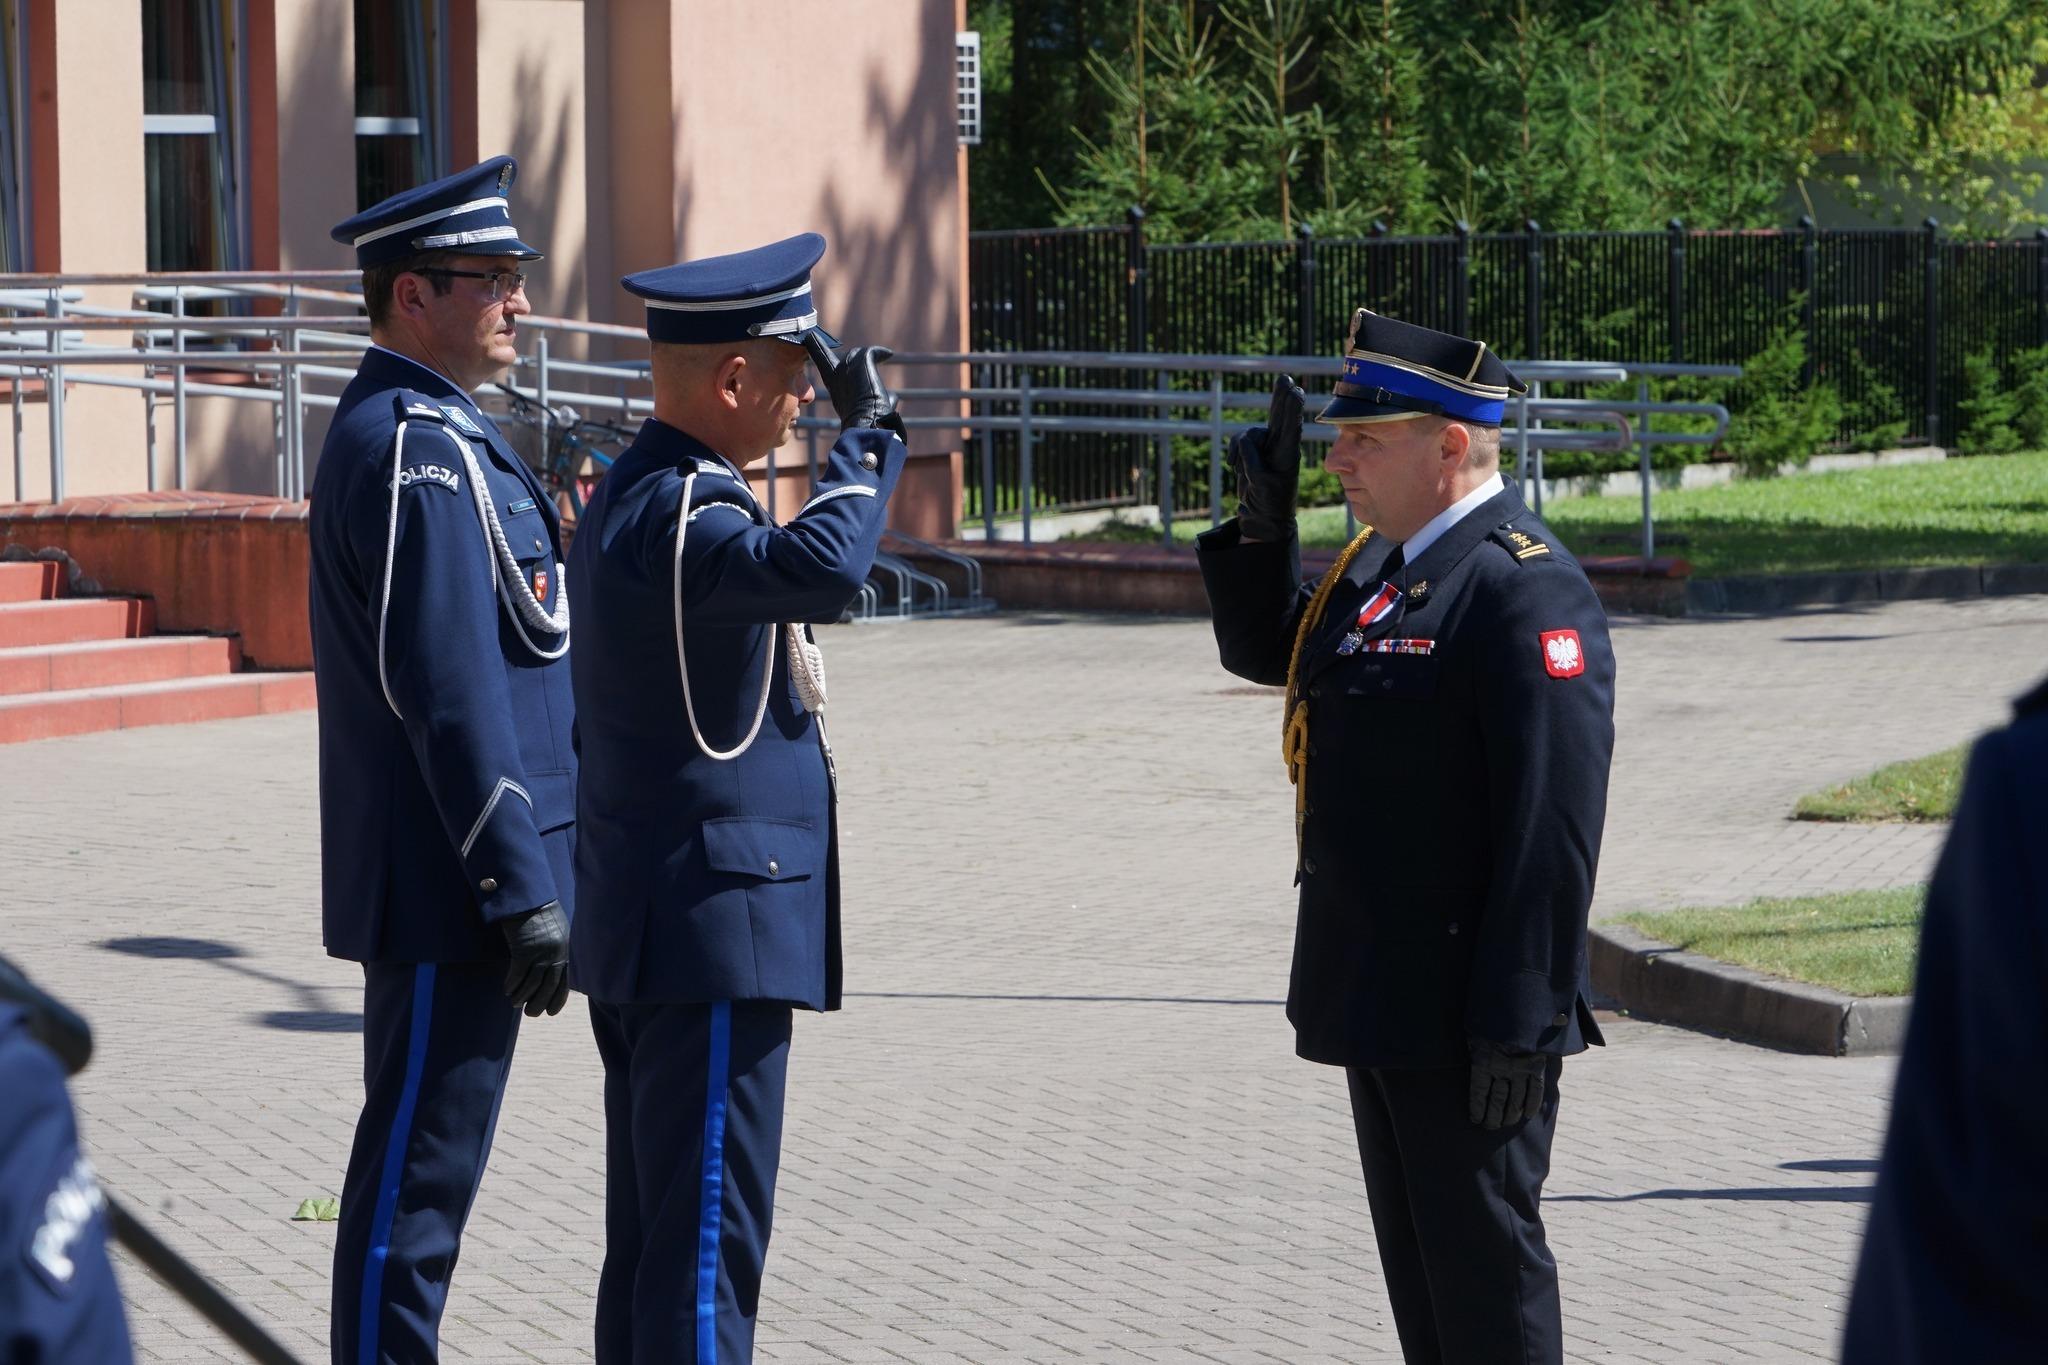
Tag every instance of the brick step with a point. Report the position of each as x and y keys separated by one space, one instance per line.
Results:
x=32 y=580
x=115 y=663
x=48 y=715
x=66 y=620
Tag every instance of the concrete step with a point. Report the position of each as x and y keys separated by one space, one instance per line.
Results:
x=31 y=580
x=48 y=715
x=65 y=620
x=115 y=663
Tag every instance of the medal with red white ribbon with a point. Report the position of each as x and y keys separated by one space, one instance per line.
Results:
x=1377 y=608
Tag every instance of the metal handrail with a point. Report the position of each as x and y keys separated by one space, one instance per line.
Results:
x=326 y=346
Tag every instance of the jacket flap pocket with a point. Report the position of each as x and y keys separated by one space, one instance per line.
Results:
x=1392 y=675
x=774 y=850
x=554 y=798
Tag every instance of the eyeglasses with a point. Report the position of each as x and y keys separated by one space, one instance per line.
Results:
x=504 y=283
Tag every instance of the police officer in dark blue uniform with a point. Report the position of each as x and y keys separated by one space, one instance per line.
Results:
x=447 y=774
x=707 y=870
x=59 y=1302
x=1448 y=727
x=1955 y=1255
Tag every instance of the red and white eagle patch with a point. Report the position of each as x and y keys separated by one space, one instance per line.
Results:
x=1562 y=655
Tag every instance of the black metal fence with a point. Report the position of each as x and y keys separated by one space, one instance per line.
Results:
x=1888 y=315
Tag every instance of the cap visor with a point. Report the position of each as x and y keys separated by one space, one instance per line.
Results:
x=504 y=246
x=798 y=338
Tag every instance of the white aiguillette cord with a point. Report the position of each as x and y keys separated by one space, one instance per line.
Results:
x=504 y=568
x=806 y=663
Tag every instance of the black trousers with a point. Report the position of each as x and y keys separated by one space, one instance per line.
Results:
x=1454 y=1209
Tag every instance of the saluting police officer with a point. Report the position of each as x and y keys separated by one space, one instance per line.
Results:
x=447 y=774
x=708 y=863
x=1449 y=722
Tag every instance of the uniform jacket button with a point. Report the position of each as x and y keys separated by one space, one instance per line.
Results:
x=774 y=868
x=1309 y=866
x=487 y=885
x=868 y=461
x=1454 y=927
x=1388 y=684
x=539 y=544
x=1559 y=1021
x=1315 y=692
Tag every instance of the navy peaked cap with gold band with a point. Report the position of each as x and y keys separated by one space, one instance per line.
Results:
x=467 y=212
x=1394 y=370
x=765 y=292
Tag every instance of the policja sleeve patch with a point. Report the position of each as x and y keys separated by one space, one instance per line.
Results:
x=440 y=475
x=1563 y=656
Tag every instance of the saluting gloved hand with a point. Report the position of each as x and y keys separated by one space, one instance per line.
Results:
x=1507 y=1086
x=1268 y=464
x=538 y=977
x=854 y=379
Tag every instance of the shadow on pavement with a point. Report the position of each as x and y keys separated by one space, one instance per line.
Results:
x=311 y=1017
x=1835 y=1194
x=1063 y=999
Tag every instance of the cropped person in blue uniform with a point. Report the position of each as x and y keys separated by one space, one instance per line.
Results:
x=707 y=870
x=1955 y=1255
x=59 y=1302
x=447 y=773
x=1448 y=728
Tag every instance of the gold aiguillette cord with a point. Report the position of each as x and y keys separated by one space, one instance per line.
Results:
x=1294 y=719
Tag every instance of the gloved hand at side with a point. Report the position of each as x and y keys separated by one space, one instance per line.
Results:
x=537 y=979
x=1507 y=1086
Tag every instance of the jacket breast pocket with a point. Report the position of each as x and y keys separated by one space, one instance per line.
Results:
x=526 y=531
x=762 y=849
x=1395 y=677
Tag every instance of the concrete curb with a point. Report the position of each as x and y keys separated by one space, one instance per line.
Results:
x=1658 y=981
x=1776 y=592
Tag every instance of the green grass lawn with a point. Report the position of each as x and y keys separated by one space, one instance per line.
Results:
x=1917 y=789
x=1862 y=943
x=1982 y=510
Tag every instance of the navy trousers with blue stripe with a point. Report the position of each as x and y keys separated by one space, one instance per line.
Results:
x=693 y=1138
x=437 y=1046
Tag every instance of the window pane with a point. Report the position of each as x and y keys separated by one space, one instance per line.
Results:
x=386 y=165
x=174 y=56
x=184 y=222
x=387 y=50
x=13 y=140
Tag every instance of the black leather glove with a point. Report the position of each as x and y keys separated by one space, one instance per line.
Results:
x=1507 y=1086
x=538 y=977
x=854 y=379
x=1268 y=464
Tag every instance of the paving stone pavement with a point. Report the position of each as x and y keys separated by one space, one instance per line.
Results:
x=1059 y=1119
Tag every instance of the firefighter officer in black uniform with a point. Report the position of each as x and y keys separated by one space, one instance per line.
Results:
x=1448 y=729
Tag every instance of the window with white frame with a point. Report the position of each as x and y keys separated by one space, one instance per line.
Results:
x=400 y=130
x=192 y=95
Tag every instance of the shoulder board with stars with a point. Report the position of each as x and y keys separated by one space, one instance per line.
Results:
x=1520 y=543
